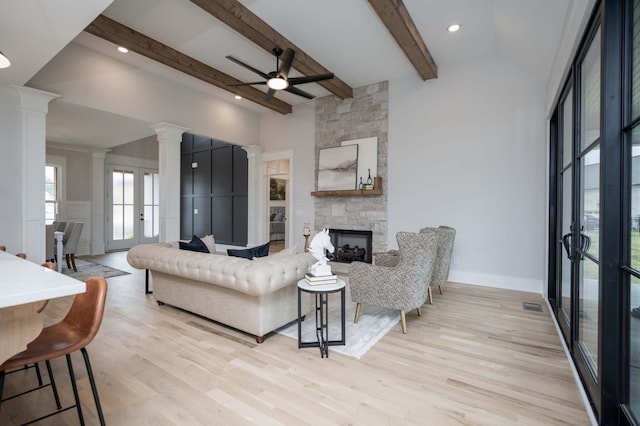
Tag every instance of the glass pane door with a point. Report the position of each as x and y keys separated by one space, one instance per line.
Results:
x=565 y=249
x=122 y=232
x=565 y=252
x=589 y=212
x=150 y=216
x=589 y=258
x=133 y=210
x=634 y=283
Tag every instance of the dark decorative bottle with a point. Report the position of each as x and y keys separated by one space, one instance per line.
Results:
x=369 y=181
x=361 y=184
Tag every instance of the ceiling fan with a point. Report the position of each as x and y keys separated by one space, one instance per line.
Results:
x=279 y=79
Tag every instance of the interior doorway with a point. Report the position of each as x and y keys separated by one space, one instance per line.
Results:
x=278 y=191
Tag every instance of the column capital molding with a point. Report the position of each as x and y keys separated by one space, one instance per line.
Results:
x=253 y=151
x=34 y=99
x=169 y=132
x=99 y=154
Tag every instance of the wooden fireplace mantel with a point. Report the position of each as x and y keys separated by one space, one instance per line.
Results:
x=377 y=190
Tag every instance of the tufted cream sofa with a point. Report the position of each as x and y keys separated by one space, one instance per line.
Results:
x=254 y=296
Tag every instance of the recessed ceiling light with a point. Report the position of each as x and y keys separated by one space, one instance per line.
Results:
x=453 y=28
x=122 y=49
x=238 y=97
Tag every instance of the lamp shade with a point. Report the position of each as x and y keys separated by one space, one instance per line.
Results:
x=4 y=61
x=277 y=83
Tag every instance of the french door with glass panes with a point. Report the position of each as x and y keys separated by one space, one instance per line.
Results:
x=132 y=207
x=577 y=219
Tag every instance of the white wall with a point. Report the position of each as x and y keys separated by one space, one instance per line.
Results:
x=10 y=160
x=85 y=77
x=468 y=150
x=295 y=131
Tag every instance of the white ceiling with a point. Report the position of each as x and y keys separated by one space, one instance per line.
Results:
x=346 y=37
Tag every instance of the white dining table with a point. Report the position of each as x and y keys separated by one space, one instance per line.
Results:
x=24 y=288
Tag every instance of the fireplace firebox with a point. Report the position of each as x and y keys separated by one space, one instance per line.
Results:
x=350 y=245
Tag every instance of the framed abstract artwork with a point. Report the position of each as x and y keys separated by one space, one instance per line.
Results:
x=338 y=168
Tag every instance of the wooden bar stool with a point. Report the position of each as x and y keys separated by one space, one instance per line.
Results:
x=71 y=334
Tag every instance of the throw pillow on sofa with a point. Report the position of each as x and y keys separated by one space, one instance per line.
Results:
x=196 y=244
x=250 y=253
x=210 y=242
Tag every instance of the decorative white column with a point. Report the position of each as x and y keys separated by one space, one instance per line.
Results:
x=97 y=200
x=256 y=196
x=169 y=140
x=34 y=105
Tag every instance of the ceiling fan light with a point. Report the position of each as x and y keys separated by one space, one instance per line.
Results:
x=4 y=61
x=277 y=83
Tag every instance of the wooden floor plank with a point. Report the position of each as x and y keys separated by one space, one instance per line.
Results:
x=475 y=357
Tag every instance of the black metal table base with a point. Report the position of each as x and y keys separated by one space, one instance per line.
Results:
x=322 y=321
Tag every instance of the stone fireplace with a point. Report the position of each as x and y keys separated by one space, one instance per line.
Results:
x=363 y=116
x=350 y=246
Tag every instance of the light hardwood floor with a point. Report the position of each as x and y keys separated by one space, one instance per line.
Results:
x=475 y=357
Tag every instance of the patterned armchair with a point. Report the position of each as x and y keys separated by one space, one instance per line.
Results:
x=443 y=258
x=446 y=237
x=402 y=287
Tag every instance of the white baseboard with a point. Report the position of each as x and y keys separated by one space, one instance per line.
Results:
x=499 y=281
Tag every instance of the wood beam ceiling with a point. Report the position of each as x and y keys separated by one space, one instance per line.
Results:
x=245 y=22
x=396 y=18
x=122 y=35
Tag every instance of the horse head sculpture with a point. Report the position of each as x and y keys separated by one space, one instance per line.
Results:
x=319 y=243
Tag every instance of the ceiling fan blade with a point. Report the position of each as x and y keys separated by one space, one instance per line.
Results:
x=310 y=78
x=287 y=60
x=247 y=84
x=249 y=67
x=299 y=92
x=270 y=93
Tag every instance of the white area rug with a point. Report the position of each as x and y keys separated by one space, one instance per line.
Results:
x=374 y=323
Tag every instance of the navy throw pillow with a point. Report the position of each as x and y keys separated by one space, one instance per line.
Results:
x=250 y=253
x=196 y=244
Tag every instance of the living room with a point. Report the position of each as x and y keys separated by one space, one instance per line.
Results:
x=468 y=149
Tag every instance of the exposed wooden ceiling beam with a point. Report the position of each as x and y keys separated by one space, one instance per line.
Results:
x=396 y=18
x=245 y=22
x=122 y=35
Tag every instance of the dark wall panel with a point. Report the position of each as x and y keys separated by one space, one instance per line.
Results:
x=186 y=177
x=202 y=173
x=186 y=218
x=222 y=219
x=202 y=219
x=217 y=189
x=240 y=171
x=240 y=218
x=222 y=170
x=187 y=143
x=201 y=143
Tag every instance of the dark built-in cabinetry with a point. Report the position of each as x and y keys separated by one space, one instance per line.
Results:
x=213 y=190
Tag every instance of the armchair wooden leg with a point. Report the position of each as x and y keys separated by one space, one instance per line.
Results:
x=68 y=261
x=430 y=296
x=440 y=288
x=73 y=262
x=403 y=320
x=419 y=311
x=355 y=319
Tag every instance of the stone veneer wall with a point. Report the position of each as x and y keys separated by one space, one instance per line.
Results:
x=365 y=115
